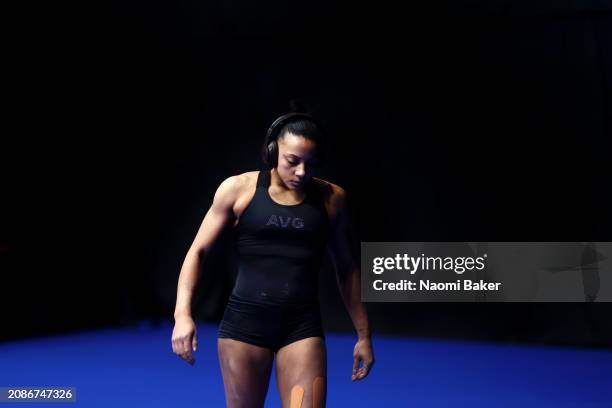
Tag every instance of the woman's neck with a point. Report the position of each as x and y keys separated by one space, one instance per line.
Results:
x=281 y=188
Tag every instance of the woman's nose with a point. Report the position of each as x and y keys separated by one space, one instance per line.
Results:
x=301 y=170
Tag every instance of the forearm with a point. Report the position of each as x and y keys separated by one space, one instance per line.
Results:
x=188 y=279
x=350 y=288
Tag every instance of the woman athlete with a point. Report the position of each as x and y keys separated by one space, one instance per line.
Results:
x=284 y=221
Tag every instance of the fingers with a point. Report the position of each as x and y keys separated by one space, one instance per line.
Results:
x=183 y=346
x=356 y=360
x=362 y=372
x=187 y=350
x=364 y=354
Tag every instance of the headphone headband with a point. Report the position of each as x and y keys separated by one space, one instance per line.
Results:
x=270 y=148
x=284 y=119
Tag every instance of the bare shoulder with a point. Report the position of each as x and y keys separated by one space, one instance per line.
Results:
x=334 y=195
x=331 y=190
x=246 y=179
x=233 y=187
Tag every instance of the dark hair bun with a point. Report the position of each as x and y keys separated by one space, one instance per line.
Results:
x=297 y=106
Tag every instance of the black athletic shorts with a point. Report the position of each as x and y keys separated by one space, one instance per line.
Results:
x=269 y=325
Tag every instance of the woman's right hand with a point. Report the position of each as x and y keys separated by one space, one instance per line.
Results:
x=184 y=338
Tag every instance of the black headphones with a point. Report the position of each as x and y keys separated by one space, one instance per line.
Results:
x=270 y=150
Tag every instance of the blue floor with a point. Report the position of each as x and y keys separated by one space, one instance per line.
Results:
x=136 y=367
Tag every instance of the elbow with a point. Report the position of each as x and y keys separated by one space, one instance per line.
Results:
x=201 y=252
x=196 y=252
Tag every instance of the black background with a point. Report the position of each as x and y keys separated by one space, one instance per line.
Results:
x=451 y=121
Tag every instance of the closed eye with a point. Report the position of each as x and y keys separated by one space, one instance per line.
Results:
x=294 y=162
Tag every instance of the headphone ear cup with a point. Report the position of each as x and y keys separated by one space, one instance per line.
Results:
x=272 y=153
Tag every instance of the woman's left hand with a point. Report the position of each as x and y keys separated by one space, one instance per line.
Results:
x=363 y=353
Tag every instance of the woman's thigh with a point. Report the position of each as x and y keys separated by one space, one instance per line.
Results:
x=246 y=370
x=301 y=373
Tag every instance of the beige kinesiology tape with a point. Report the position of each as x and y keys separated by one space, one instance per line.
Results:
x=318 y=394
x=297 y=395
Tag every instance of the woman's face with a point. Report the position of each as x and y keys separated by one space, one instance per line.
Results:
x=296 y=160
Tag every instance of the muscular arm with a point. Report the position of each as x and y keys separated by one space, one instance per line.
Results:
x=219 y=215
x=347 y=271
x=349 y=281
